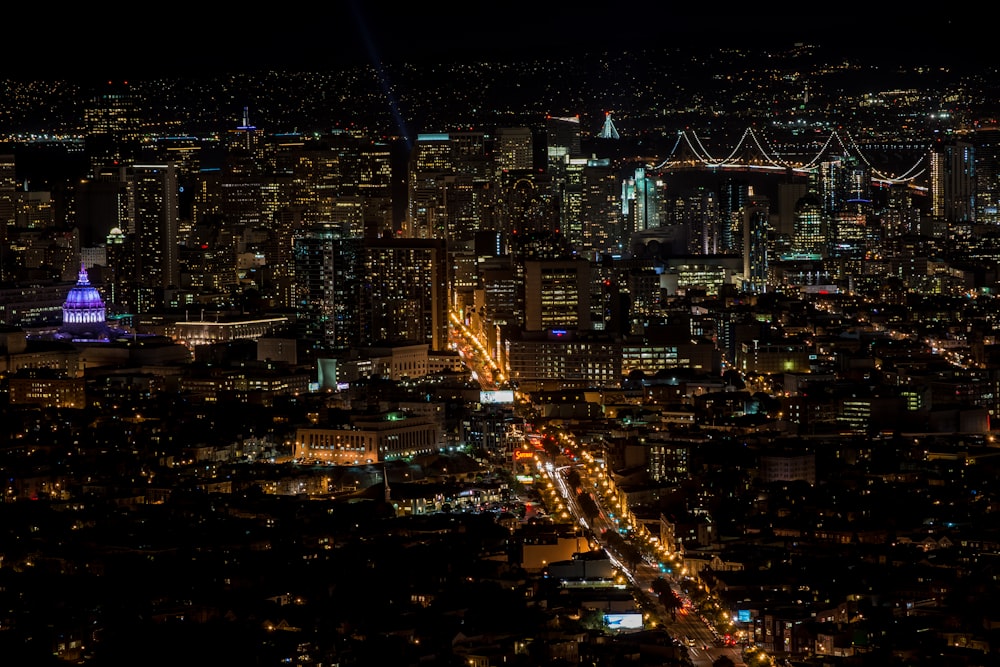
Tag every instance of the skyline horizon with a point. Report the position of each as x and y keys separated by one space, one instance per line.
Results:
x=351 y=32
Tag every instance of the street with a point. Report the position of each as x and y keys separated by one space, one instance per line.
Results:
x=685 y=624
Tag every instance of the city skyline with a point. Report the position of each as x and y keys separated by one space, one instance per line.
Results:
x=411 y=368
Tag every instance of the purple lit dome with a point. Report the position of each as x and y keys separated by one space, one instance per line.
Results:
x=83 y=311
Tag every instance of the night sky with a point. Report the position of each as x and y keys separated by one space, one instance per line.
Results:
x=130 y=40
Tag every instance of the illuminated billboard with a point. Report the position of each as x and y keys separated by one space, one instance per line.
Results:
x=624 y=621
x=326 y=371
x=497 y=396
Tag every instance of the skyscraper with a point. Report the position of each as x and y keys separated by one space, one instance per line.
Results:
x=429 y=164
x=562 y=141
x=756 y=225
x=953 y=177
x=120 y=283
x=733 y=197
x=450 y=185
x=8 y=199
x=702 y=222
x=405 y=293
x=601 y=210
x=900 y=218
x=809 y=226
x=328 y=272
x=280 y=285
x=571 y=202
x=514 y=149
x=562 y=145
x=375 y=188
x=556 y=294
x=8 y=186
x=987 y=165
x=152 y=221
x=642 y=201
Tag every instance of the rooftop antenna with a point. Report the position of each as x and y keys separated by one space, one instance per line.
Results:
x=246 y=126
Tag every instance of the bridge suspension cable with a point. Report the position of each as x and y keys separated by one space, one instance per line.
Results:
x=694 y=153
x=905 y=177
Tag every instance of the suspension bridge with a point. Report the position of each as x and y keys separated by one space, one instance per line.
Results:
x=755 y=153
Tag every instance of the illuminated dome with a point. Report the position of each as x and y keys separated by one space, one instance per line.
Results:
x=83 y=311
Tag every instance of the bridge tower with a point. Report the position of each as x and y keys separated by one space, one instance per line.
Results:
x=608 y=131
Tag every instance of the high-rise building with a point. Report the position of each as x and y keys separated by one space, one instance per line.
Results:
x=642 y=202
x=119 y=283
x=241 y=198
x=848 y=234
x=601 y=211
x=341 y=177
x=311 y=173
x=461 y=208
x=733 y=196
x=33 y=209
x=702 y=222
x=952 y=182
x=809 y=226
x=643 y=287
x=406 y=291
x=209 y=263
x=556 y=294
x=469 y=154
x=8 y=187
x=843 y=184
x=464 y=273
x=986 y=142
x=514 y=149
x=430 y=162
x=789 y=194
x=152 y=220
x=375 y=188
x=562 y=145
x=450 y=186
x=459 y=196
x=246 y=139
x=279 y=286
x=562 y=141
x=571 y=202
x=502 y=299
x=756 y=224
x=900 y=218
x=328 y=287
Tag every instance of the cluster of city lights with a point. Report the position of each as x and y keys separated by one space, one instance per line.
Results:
x=479 y=347
x=556 y=496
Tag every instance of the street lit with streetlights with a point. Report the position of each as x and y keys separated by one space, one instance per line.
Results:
x=704 y=617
